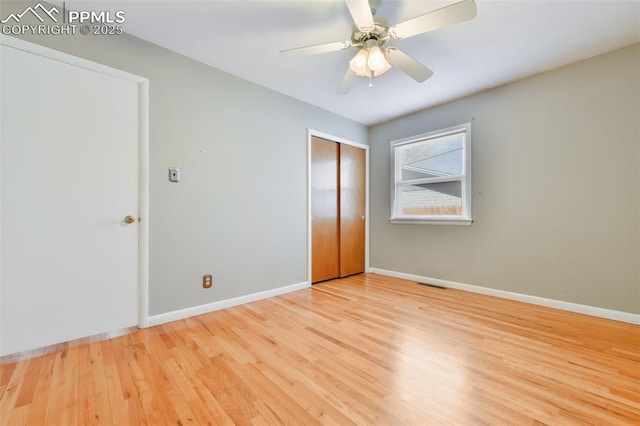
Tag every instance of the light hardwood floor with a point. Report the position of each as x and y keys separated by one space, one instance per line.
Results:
x=366 y=350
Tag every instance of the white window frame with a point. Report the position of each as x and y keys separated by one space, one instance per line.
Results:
x=465 y=179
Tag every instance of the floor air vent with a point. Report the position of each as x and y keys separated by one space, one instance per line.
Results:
x=433 y=285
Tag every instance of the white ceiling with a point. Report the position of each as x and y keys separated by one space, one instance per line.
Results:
x=508 y=40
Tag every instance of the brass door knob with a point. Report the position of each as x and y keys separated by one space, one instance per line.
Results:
x=129 y=219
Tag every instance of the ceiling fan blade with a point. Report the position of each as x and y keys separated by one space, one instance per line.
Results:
x=407 y=64
x=361 y=14
x=347 y=82
x=315 y=49
x=449 y=15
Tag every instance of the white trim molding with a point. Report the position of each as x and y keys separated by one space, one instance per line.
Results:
x=595 y=311
x=223 y=304
x=21 y=356
x=464 y=177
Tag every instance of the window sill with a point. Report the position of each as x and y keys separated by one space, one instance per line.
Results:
x=424 y=221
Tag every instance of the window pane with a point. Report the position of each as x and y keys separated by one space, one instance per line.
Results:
x=436 y=157
x=431 y=199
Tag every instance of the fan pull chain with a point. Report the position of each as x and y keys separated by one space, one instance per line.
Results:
x=371 y=79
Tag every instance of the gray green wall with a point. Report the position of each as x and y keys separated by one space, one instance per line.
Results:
x=240 y=211
x=556 y=188
x=556 y=185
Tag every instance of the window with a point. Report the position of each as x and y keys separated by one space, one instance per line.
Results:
x=431 y=177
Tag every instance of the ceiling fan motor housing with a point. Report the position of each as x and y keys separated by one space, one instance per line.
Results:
x=379 y=33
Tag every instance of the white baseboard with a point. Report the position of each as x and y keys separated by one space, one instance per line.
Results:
x=32 y=353
x=223 y=304
x=551 y=303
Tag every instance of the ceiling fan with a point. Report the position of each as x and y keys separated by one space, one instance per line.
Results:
x=370 y=36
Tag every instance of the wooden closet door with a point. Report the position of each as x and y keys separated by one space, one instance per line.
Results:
x=352 y=209
x=325 y=225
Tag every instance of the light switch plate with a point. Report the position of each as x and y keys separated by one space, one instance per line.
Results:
x=174 y=174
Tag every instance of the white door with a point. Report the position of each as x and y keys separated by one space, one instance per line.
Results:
x=69 y=173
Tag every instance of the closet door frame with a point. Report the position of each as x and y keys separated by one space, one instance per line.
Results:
x=322 y=135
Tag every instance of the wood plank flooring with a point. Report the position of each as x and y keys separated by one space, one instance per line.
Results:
x=366 y=349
